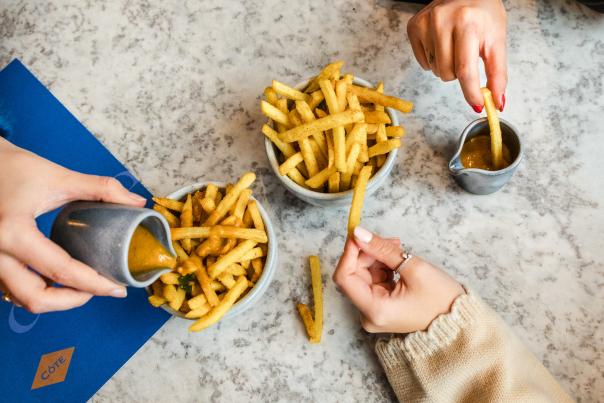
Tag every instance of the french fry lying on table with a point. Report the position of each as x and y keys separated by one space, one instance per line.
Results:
x=307 y=320
x=314 y=326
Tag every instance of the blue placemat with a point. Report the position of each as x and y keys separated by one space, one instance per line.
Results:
x=64 y=356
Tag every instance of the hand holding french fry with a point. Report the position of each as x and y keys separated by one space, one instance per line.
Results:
x=365 y=274
x=31 y=186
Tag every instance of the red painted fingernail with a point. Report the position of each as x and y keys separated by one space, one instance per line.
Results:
x=477 y=108
x=502 y=103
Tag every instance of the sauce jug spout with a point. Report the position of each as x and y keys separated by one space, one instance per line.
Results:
x=455 y=165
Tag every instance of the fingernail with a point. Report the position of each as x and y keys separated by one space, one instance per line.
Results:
x=363 y=235
x=119 y=293
x=137 y=198
x=502 y=103
x=477 y=108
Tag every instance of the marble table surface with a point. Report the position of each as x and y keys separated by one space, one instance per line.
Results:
x=172 y=88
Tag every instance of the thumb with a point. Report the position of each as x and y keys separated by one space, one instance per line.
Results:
x=102 y=188
x=383 y=250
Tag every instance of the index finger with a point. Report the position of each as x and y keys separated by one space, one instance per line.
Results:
x=48 y=259
x=466 y=67
x=497 y=73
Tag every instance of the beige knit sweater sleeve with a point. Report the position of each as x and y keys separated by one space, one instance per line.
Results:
x=467 y=355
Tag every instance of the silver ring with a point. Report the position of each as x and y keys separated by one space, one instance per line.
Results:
x=406 y=257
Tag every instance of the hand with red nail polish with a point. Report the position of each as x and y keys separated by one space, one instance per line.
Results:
x=33 y=186
x=449 y=36
x=365 y=274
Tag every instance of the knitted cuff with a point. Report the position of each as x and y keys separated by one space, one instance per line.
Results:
x=442 y=331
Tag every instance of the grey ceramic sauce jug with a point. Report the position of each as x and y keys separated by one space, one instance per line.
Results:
x=480 y=181
x=99 y=235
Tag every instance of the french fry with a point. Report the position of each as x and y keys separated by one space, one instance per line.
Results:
x=339 y=139
x=330 y=72
x=307 y=320
x=353 y=102
x=288 y=92
x=320 y=113
x=286 y=148
x=256 y=217
x=377 y=117
x=241 y=204
x=170 y=204
x=395 y=131
x=373 y=96
x=169 y=292
x=158 y=288
x=305 y=112
x=317 y=291
x=233 y=256
x=230 y=198
x=333 y=183
x=199 y=312
x=341 y=94
x=210 y=246
x=227 y=279
x=197 y=210
x=197 y=302
x=352 y=157
x=315 y=99
x=274 y=113
x=356 y=135
x=319 y=179
x=188 y=267
x=236 y=270
x=326 y=123
x=225 y=304
x=330 y=151
x=271 y=96
x=345 y=180
x=181 y=233
x=217 y=286
x=354 y=216
x=495 y=129
x=252 y=254
x=178 y=299
x=205 y=283
x=290 y=163
x=258 y=267
x=186 y=220
x=319 y=156
x=169 y=278
x=384 y=147
x=156 y=300
x=180 y=252
x=173 y=221
x=308 y=155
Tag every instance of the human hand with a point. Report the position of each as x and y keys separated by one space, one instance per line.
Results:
x=365 y=275
x=30 y=186
x=448 y=37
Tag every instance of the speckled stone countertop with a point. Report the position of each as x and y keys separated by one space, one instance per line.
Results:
x=172 y=89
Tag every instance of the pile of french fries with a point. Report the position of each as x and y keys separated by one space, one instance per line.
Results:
x=328 y=132
x=221 y=246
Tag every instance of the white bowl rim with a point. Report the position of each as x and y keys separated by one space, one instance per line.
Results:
x=269 y=266
x=311 y=194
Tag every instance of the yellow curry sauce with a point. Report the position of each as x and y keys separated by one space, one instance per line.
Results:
x=476 y=153
x=146 y=253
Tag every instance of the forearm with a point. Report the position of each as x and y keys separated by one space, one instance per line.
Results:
x=466 y=354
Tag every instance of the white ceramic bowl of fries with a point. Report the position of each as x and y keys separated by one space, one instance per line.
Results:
x=334 y=198
x=261 y=284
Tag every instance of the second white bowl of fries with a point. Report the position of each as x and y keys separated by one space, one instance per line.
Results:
x=226 y=247
x=322 y=132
